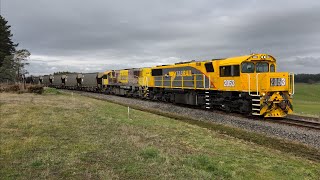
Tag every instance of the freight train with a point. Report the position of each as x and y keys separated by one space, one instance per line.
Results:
x=247 y=84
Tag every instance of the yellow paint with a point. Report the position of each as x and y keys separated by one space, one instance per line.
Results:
x=144 y=79
x=105 y=82
x=180 y=73
x=271 y=105
x=104 y=76
x=123 y=76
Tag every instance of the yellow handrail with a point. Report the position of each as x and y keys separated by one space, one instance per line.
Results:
x=249 y=85
x=183 y=80
x=257 y=83
x=292 y=83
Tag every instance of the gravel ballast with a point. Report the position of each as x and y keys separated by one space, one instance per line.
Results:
x=305 y=136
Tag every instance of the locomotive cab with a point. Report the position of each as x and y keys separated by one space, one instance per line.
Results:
x=270 y=91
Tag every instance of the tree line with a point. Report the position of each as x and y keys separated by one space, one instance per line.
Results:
x=64 y=72
x=12 y=61
x=307 y=78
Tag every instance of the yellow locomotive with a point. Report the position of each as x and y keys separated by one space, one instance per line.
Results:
x=246 y=84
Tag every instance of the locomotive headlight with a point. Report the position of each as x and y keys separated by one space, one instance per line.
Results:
x=263 y=94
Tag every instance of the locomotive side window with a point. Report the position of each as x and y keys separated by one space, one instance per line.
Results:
x=156 y=72
x=262 y=67
x=225 y=71
x=229 y=71
x=136 y=73
x=235 y=70
x=209 y=67
x=247 y=67
x=272 y=68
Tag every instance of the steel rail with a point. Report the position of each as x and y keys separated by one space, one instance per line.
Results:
x=299 y=123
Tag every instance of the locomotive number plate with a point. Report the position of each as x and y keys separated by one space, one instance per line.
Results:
x=228 y=83
x=277 y=82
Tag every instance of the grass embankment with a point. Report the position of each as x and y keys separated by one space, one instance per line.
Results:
x=63 y=136
x=307 y=99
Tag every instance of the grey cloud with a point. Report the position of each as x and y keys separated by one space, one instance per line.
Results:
x=302 y=61
x=121 y=34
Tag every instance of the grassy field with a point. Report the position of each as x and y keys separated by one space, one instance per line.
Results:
x=73 y=137
x=307 y=99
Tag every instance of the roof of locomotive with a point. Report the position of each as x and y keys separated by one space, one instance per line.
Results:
x=227 y=61
x=252 y=57
x=102 y=74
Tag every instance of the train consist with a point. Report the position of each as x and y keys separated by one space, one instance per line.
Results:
x=246 y=84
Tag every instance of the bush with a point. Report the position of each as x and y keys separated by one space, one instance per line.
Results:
x=16 y=88
x=35 y=89
x=9 y=88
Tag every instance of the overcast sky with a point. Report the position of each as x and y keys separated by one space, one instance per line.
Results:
x=96 y=35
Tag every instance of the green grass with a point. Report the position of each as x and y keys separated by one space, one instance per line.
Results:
x=149 y=153
x=51 y=91
x=58 y=136
x=307 y=99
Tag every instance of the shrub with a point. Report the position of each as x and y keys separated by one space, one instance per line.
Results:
x=35 y=89
x=9 y=88
x=16 y=88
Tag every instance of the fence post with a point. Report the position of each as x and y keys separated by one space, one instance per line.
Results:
x=128 y=113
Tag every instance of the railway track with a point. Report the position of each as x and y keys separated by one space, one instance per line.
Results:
x=292 y=120
x=299 y=123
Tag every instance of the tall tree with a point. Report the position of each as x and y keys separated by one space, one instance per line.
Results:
x=7 y=70
x=12 y=69
x=20 y=58
x=7 y=47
